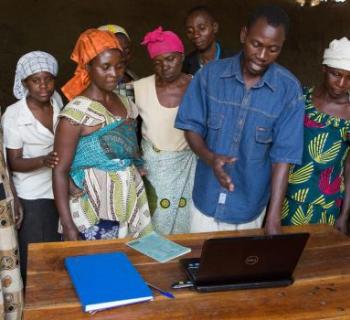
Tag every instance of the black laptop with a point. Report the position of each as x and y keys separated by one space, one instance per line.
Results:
x=246 y=262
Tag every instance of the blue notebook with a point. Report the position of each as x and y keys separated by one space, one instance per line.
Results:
x=106 y=280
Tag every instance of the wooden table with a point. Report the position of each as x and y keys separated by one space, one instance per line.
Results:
x=321 y=289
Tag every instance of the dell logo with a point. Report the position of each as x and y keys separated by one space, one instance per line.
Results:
x=251 y=260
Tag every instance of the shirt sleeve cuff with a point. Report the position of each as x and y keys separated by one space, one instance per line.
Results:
x=286 y=160
x=189 y=127
x=13 y=146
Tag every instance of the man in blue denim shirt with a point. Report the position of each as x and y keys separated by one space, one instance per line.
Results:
x=243 y=117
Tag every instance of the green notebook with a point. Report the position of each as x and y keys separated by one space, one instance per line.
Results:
x=158 y=247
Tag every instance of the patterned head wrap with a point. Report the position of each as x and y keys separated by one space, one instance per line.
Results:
x=89 y=45
x=159 y=42
x=29 y=64
x=338 y=54
x=114 y=29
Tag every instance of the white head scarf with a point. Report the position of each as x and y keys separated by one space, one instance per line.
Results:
x=31 y=63
x=338 y=54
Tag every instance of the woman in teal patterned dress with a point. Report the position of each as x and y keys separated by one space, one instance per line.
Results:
x=319 y=188
x=97 y=184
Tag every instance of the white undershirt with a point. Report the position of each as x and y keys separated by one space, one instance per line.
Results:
x=157 y=121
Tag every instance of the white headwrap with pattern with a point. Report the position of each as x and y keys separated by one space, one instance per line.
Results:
x=338 y=54
x=31 y=63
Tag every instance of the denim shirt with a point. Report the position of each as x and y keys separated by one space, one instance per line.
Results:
x=258 y=126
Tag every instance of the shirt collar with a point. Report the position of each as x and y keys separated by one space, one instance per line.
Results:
x=27 y=117
x=234 y=70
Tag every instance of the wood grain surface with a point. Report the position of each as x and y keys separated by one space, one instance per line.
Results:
x=321 y=289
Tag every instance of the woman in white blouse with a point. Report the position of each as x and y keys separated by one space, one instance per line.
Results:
x=28 y=128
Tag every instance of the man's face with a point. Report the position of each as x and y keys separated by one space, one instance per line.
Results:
x=201 y=30
x=262 y=44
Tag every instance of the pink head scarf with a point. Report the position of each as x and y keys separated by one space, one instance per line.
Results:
x=159 y=42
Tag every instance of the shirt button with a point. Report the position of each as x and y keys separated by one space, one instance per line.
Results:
x=241 y=122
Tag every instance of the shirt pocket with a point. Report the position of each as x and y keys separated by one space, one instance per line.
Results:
x=215 y=120
x=215 y=125
x=262 y=143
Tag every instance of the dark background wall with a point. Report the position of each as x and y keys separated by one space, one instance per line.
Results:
x=54 y=26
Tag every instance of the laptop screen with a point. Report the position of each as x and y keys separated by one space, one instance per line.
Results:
x=250 y=259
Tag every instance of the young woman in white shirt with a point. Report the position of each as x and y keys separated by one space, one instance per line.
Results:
x=28 y=127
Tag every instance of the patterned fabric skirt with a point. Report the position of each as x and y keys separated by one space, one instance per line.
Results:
x=299 y=213
x=104 y=230
x=118 y=197
x=169 y=184
x=11 y=296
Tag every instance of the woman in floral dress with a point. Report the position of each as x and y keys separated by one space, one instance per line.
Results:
x=11 y=215
x=319 y=188
x=99 y=155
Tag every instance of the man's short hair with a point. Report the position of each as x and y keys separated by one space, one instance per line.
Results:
x=201 y=8
x=274 y=15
